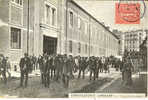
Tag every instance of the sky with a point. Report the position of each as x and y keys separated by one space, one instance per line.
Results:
x=104 y=11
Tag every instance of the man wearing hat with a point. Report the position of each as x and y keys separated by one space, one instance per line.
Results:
x=24 y=68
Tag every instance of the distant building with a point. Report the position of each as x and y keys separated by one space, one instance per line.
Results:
x=120 y=36
x=134 y=39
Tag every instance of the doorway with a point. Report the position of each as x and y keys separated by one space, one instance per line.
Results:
x=49 y=45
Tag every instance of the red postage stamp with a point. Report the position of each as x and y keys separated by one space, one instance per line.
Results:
x=127 y=13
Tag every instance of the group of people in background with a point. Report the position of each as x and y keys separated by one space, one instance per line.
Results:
x=65 y=67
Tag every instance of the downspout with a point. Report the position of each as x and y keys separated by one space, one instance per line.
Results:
x=28 y=29
x=66 y=25
x=89 y=35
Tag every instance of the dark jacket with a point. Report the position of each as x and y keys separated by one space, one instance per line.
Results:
x=3 y=65
x=92 y=64
x=25 y=64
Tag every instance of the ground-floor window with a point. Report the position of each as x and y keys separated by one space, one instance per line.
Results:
x=79 y=47
x=86 y=48
x=70 y=46
x=15 y=38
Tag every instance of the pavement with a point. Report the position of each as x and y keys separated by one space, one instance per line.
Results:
x=17 y=73
x=112 y=74
x=115 y=86
x=36 y=90
x=107 y=83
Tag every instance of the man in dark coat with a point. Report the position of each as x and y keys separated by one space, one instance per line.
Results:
x=92 y=67
x=40 y=62
x=106 y=65
x=82 y=67
x=46 y=71
x=24 y=68
x=70 y=64
x=127 y=71
x=34 y=59
x=53 y=67
x=3 y=68
x=58 y=65
x=98 y=64
x=65 y=72
x=8 y=67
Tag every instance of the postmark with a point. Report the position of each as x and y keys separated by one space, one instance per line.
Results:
x=129 y=12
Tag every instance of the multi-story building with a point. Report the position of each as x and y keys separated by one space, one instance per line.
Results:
x=143 y=50
x=120 y=36
x=52 y=26
x=14 y=28
x=87 y=36
x=134 y=39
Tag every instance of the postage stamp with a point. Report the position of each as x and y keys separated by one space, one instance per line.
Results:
x=129 y=12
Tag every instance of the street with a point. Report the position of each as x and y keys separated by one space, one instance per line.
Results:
x=56 y=89
x=107 y=83
x=139 y=85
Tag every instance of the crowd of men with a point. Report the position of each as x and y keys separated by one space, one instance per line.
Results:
x=61 y=67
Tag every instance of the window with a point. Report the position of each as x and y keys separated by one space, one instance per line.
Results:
x=47 y=14
x=91 y=49
x=85 y=48
x=15 y=38
x=71 y=19
x=79 y=23
x=70 y=46
x=85 y=27
x=79 y=47
x=19 y=2
x=53 y=16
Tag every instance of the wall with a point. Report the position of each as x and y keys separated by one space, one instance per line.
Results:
x=4 y=27
x=100 y=41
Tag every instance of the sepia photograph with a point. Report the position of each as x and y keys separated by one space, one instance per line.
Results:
x=73 y=48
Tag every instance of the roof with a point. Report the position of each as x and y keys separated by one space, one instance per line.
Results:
x=72 y=1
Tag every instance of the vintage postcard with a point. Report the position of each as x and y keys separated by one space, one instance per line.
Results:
x=73 y=48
